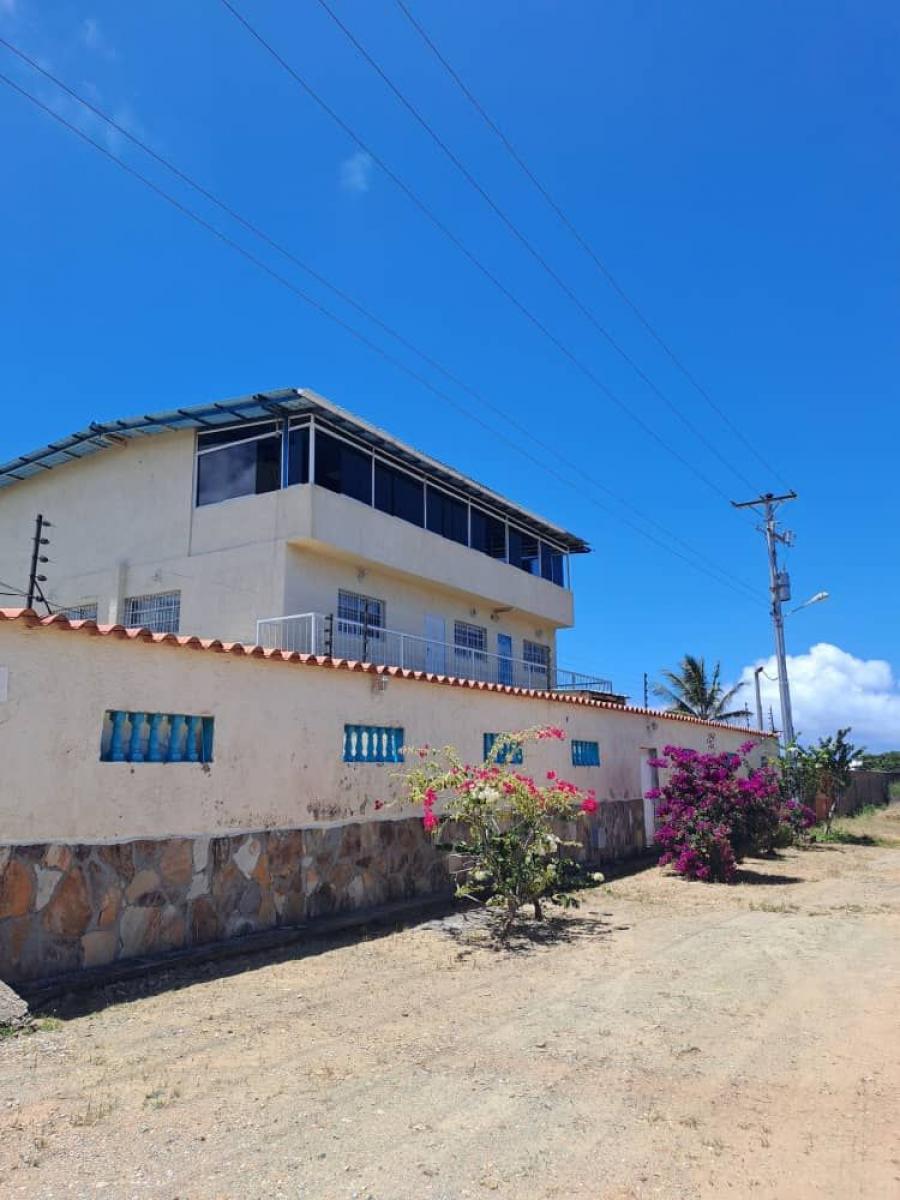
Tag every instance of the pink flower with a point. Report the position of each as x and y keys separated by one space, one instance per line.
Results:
x=430 y=798
x=551 y=731
x=551 y=774
x=430 y=821
x=589 y=804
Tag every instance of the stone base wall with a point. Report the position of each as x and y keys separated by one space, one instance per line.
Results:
x=66 y=907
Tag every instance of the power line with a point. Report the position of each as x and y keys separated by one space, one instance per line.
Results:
x=582 y=240
x=725 y=577
x=564 y=349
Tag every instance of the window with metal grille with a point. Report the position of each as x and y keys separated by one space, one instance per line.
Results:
x=357 y=613
x=585 y=754
x=469 y=637
x=139 y=737
x=537 y=662
x=81 y=612
x=373 y=744
x=509 y=754
x=160 y=612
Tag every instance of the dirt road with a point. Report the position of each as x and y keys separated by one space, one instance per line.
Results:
x=674 y=1040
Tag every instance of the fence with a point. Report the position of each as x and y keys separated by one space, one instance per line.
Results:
x=316 y=633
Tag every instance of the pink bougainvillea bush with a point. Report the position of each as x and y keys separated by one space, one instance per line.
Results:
x=500 y=822
x=715 y=809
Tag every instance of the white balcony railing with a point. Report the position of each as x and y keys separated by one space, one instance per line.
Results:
x=316 y=633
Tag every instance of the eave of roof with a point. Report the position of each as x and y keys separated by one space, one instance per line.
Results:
x=32 y=620
x=284 y=402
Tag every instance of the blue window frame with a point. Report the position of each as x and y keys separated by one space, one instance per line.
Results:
x=585 y=754
x=373 y=744
x=510 y=754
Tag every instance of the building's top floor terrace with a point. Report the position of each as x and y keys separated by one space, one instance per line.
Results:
x=271 y=440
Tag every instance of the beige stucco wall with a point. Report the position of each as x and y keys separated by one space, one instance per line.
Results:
x=278 y=738
x=124 y=524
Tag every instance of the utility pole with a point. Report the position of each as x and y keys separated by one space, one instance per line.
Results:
x=34 y=579
x=759 y=716
x=780 y=589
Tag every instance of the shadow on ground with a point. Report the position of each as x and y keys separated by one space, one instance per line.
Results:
x=765 y=878
x=481 y=929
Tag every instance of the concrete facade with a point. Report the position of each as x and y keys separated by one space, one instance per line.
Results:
x=253 y=557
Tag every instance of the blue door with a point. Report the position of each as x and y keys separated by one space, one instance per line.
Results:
x=504 y=660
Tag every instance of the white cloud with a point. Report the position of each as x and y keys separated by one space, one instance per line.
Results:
x=830 y=689
x=356 y=172
x=93 y=37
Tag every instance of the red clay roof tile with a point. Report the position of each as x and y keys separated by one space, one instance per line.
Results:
x=192 y=642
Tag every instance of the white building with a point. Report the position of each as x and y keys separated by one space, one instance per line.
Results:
x=279 y=518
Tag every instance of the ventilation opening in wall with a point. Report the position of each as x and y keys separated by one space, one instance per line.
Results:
x=139 y=737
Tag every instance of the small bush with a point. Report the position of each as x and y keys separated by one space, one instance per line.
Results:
x=715 y=809
x=502 y=824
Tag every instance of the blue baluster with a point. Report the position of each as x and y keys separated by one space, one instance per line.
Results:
x=135 y=750
x=192 y=750
x=176 y=732
x=154 y=750
x=208 y=727
x=116 y=741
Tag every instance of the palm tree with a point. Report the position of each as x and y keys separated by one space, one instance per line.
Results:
x=690 y=691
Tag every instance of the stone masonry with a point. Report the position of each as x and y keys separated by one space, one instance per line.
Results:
x=67 y=907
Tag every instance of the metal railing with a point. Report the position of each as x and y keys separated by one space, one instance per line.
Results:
x=318 y=633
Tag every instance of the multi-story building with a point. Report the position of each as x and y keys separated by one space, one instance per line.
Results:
x=279 y=518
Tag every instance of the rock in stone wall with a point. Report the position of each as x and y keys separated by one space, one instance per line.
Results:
x=63 y=908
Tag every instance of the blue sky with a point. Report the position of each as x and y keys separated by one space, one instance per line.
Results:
x=734 y=165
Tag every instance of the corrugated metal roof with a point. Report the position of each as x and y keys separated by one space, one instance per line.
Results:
x=284 y=402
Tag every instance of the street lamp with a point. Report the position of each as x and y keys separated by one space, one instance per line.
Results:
x=816 y=599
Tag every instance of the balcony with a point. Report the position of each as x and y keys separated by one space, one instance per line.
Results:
x=318 y=633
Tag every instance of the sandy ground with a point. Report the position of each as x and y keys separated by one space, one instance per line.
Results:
x=669 y=1040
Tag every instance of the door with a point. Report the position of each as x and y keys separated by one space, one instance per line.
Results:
x=504 y=655
x=435 y=644
x=649 y=781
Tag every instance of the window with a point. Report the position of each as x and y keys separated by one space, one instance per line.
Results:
x=448 y=517
x=342 y=468
x=524 y=551
x=298 y=455
x=509 y=754
x=399 y=494
x=81 y=612
x=552 y=564
x=161 y=613
x=585 y=754
x=356 y=612
x=373 y=744
x=137 y=737
x=470 y=646
x=469 y=637
x=238 y=462
x=537 y=662
x=488 y=534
